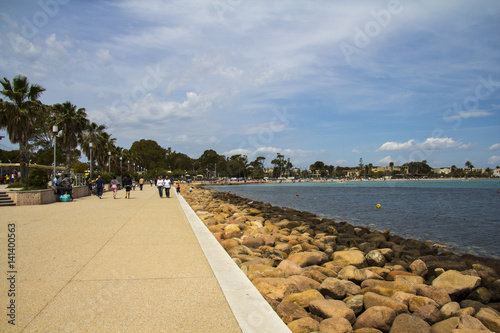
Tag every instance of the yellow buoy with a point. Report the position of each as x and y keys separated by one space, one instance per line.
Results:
x=379 y=206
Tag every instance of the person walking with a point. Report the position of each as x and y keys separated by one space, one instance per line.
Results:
x=127 y=183
x=166 y=185
x=99 y=184
x=141 y=183
x=114 y=186
x=159 y=184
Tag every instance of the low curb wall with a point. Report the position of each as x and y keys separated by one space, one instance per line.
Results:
x=42 y=197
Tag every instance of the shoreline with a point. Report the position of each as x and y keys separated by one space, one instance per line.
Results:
x=289 y=254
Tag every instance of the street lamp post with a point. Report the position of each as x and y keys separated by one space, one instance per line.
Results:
x=121 y=158
x=109 y=162
x=90 y=146
x=55 y=129
x=128 y=167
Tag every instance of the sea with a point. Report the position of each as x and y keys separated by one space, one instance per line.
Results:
x=462 y=216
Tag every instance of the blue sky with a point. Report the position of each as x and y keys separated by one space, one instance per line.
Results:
x=333 y=81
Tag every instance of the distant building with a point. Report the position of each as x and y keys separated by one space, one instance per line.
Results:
x=496 y=172
x=442 y=171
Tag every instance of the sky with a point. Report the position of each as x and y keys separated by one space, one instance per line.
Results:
x=331 y=81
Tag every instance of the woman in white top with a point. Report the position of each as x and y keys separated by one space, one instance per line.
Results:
x=166 y=185
x=159 y=184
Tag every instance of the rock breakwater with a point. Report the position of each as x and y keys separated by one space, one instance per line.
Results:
x=320 y=275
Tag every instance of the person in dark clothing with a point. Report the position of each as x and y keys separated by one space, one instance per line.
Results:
x=99 y=184
x=66 y=186
x=127 y=183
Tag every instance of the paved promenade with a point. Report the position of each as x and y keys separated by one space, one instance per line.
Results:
x=143 y=264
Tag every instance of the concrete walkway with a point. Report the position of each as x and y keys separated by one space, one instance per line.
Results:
x=143 y=264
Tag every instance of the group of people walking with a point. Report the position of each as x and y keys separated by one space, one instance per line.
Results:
x=163 y=184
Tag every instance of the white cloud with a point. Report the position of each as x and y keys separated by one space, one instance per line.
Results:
x=104 y=57
x=495 y=146
x=428 y=144
x=469 y=114
x=356 y=150
x=389 y=146
x=494 y=160
x=385 y=161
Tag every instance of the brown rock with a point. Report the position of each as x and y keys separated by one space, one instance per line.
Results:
x=303 y=325
x=304 y=259
x=289 y=312
x=405 y=323
x=494 y=288
x=490 y=319
x=304 y=298
x=438 y=294
x=375 y=258
x=386 y=288
x=332 y=308
x=253 y=242
x=355 y=303
x=353 y=257
x=402 y=297
x=263 y=271
x=315 y=275
x=239 y=250
x=275 y=288
x=367 y=330
x=392 y=275
x=417 y=302
x=429 y=313
x=450 y=309
x=290 y=268
x=379 y=317
x=333 y=287
x=352 y=273
x=456 y=284
x=335 y=325
x=372 y=299
x=419 y=267
x=469 y=322
x=304 y=283
x=481 y=294
x=229 y=243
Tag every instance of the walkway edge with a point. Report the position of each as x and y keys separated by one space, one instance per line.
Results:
x=250 y=309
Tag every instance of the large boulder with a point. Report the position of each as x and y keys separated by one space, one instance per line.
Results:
x=303 y=325
x=304 y=283
x=405 y=323
x=259 y=271
x=332 y=308
x=371 y=299
x=456 y=284
x=290 y=268
x=333 y=287
x=353 y=257
x=379 y=317
x=304 y=259
x=304 y=298
x=275 y=288
x=438 y=294
x=335 y=325
x=490 y=318
x=289 y=312
x=429 y=313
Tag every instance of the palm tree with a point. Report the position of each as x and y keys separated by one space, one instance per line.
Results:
x=90 y=135
x=72 y=122
x=19 y=113
x=469 y=165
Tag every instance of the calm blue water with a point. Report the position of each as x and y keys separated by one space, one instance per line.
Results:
x=464 y=215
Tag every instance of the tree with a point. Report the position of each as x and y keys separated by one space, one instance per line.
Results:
x=150 y=152
x=469 y=166
x=72 y=122
x=19 y=113
x=279 y=164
